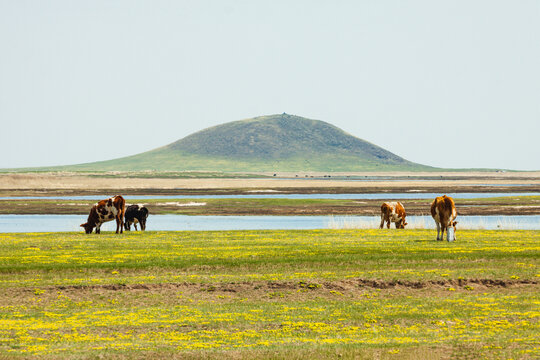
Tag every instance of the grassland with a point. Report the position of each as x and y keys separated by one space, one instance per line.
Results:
x=270 y=294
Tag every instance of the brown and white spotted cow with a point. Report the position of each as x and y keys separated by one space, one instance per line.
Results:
x=393 y=212
x=443 y=211
x=106 y=210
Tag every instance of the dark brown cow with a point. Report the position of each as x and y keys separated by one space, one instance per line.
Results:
x=136 y=214
x=393 y=212
x=106 y=210
x=443 y=211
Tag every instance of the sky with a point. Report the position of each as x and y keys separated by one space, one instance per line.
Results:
x=452 y=84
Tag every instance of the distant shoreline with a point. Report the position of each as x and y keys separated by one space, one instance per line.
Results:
x=74 y=184
x=33 y=184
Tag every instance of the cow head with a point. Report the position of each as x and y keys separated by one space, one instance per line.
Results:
x=401 y=224
x=451 y=231
x=144 y=213
x=87 y=227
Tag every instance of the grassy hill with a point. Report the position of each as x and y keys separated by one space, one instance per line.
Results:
x=266 y=143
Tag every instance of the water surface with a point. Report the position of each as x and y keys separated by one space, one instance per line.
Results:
x=54 y=223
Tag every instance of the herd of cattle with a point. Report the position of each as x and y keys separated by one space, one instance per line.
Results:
x=115 y=208
x=443 y=211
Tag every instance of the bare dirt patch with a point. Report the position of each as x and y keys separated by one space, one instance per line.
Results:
x=351 y=285
x=286 y=291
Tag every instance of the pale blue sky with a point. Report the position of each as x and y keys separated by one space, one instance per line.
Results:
x=443 y=83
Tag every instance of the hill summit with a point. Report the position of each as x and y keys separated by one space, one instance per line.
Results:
x=278 y=137
x=265 y=143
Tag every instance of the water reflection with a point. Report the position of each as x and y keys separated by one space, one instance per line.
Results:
x=54 y=223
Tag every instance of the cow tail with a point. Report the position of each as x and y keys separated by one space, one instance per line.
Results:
x=123 y=211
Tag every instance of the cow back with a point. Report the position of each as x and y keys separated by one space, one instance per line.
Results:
x=445 y=207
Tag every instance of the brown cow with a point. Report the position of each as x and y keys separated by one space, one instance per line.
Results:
x=393 y=212
x=106 y=210
x=443 y=211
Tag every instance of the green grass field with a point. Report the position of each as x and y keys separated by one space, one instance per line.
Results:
x=270 y=294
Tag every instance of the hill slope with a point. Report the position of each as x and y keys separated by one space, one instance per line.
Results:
x=267 y=143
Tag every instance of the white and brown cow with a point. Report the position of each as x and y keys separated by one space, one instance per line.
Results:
x=106 y=210
x=393 y=212
x=443 y=211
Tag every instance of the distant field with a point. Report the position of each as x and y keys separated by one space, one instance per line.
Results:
x=165 y=183
x=270 y=294
x=509 y=205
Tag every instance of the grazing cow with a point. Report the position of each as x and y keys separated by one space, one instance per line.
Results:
x=443 y=211
x=136 y=214
x=393 y=212
x=106 y=210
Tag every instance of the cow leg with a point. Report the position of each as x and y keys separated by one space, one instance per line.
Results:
x=98 y=229
x=438 y=230
x=388 y=222
x=382 y=221
x=135 y=224
x=119 y=224
x=442 y=231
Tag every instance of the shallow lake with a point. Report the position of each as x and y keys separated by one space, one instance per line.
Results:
x=264 y=195
x=53 y=223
